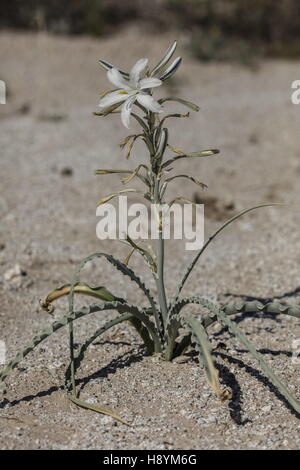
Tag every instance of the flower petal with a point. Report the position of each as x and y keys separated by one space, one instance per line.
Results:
x=116 y=79
x=171 y=69
x=112 y=98
x=149 y=103
x=170 y=51
x=136 y=70
x=107 y=66
x=149 y=83
x=126 y=110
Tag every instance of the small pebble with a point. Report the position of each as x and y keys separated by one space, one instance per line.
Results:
x=16 y=271
x=66 y=171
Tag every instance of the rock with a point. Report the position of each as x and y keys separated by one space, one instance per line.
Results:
x=181 y=359
x=25 y=108
x=66 y=171
x=16 y=271
x=266 y=409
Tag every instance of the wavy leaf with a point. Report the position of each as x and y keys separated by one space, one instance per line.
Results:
x=96 y=408
x=127 y=272
x=255 y=307
x=200 y=337
x=210 y=239
x=77 y=361
x=99 y=292
x=174 y=322
x=36 y=340
x=67 y=319
x=234 y=329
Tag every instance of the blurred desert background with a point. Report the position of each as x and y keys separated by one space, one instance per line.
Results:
x=239 y=61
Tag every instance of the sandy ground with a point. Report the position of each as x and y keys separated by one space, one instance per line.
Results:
x=48 y=225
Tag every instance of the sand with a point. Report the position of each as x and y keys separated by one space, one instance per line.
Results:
x=50 y=146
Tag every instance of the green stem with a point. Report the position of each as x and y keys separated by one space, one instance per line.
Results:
x=72 y=359
x=160 y=252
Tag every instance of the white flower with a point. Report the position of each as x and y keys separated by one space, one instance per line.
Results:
x=131 y=90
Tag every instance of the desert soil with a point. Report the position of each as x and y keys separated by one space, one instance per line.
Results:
x=50 y=146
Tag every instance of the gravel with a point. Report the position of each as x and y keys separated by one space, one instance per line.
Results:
x=47 y=211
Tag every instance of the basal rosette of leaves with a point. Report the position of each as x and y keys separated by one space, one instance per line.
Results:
x=160 y=323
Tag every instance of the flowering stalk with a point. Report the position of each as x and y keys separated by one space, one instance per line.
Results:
x=160 y=250
x=133 y=90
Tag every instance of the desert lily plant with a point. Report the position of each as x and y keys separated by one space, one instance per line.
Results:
x=160 y=323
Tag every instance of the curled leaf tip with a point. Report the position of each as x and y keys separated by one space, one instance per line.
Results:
x=226 y=394
x=47 y=306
